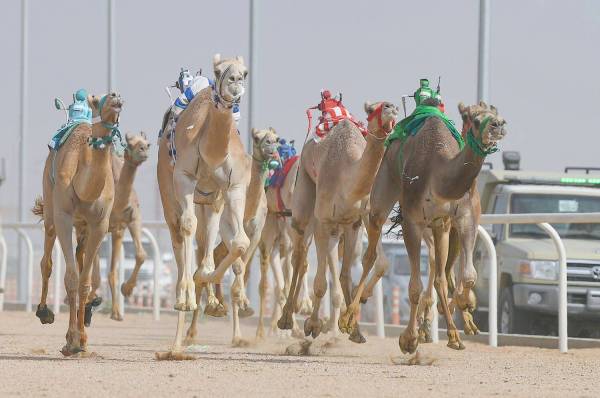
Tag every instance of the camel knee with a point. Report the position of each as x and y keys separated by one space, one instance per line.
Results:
x=415 y=288
x=381 y=266
x=46 y=266
x=71 y=282
x=141 y=257
x=469 y=277
x=320 y=287
x=188 y=223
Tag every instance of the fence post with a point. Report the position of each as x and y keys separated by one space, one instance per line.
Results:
x=435 y=321
x=29 y=245
x=562 y=286
x=158 y=266
x=379 y=316
x=3 y=258
x=493 y=286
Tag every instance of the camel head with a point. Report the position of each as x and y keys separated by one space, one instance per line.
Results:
x=230 y=79
x=108 y=107
x=483 y=127
x=138 y=148
x=381 y=117
x=265 y=143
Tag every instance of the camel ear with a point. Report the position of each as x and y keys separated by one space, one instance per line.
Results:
x=483 y=104
x=369 y=107
x=240 y=59
x=143 y=135
x=128 y=137
x=272 y=130
x=256 y=134
x=462 y=108
x=94 y=102
x=216 y=60
x=494 y=110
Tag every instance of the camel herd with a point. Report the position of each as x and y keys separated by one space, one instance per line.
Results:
x=219 y=213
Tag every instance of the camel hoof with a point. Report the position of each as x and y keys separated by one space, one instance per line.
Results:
x=215 y=310
x=286 y=322
x=115 y=316
x=313 y=327
x=347 y=322
x=189 y=340
x=45 y=314
x=185 y=306
x=425 y=332
x=67 y=350
x=126 y=289
x=456 y=345
x=408 y=343
x=245 y=312
x=357 y=337
x=87 y=317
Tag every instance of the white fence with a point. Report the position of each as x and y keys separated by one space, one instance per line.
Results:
x=543 y=220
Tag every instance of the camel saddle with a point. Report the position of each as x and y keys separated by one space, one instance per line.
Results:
x=276 y=181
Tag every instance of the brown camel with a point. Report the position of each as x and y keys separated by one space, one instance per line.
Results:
x=276 y=251
x=78 y=184
x=334 y=180
x=264 y=150
x=206 y=188
x=433 y=176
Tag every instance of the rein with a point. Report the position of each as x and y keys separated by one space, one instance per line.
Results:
x=377 y=113
x=113 y=128
x=217 y=88
x=475 y=142
x=265 y=164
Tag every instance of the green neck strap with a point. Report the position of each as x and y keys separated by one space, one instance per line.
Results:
x=475 y=142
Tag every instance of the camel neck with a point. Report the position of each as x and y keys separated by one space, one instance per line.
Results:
x=91 y=176
x=124 y=186
x=256 y=188
x=215 y=139
x=366 y=169
x=458 y=174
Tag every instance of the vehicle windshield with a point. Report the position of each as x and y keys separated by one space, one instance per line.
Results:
x=541 y=203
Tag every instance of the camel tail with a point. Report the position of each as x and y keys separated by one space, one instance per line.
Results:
x=38 y=207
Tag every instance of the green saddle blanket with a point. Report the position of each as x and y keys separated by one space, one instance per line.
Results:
x=413 y=123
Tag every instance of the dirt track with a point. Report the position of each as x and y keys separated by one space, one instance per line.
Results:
x=31 y=365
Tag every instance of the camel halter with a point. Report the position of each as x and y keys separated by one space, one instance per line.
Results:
x=265 y=164
x=476 y=144
x=113 y=128
x=378 y=113
x=217 y=89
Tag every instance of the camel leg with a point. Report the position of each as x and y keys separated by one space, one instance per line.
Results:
x=304 y=305
x=43 y=312
x=95 y=233
x=113 y=275
x=302 y=210
x=336 y=292
x=465 y=300
x=135 y=229
x=94 y=300
x=326 y=239
x=351 y=235
x=185 y=186
x=215 y=303
x=412 y=233
x=267 y=243
x=441 y=237
x=425 y=312
x=64 y=232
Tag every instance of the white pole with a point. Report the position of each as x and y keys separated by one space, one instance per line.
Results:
x=253 y=72
x=492 y=288
x=379 y=319
x=3 y=257
x=562 y=286
x=22 y=131
x=29 y=269
x=57 y=271
x=158 y=266
x=111 y=46
x=483 y=67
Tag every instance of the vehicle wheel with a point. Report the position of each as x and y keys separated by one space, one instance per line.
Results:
x=510 y=318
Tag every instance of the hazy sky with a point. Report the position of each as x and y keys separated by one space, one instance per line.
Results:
x=544 y=67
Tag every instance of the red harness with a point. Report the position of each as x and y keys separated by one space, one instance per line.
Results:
x=286 y=169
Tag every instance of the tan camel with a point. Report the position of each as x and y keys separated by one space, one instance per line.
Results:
x=276 y=252
x=206 y=188
x=334 y=181
x=429 y=183
x=78 y=183
x=125 y=213
x=264 y=150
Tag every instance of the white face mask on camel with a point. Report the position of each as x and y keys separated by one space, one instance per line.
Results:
x=230 y=81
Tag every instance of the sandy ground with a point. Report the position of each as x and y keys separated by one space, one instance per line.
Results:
x=31 y=365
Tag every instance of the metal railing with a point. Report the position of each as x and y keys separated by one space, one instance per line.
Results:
x=21 y=228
